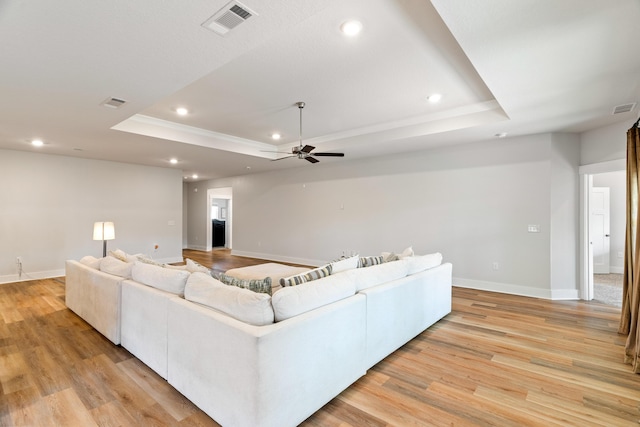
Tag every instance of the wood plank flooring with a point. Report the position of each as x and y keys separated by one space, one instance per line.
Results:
x=496 y=360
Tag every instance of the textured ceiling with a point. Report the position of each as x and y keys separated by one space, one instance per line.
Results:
x=502 y=66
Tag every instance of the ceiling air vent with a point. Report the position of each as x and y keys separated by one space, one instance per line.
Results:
x=113 y=102
x=229 y=17
x=625 y=108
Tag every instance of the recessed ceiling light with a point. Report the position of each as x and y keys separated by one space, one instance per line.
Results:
x=501 y=135
x=436 y=97
x=181 y=111
x=275 y=136
x=173 y=161
x=37 y=143
x=194 y=176
x=351 y=28
x=248 y=167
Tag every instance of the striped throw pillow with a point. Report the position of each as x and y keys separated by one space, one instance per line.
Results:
x=262 y=286
x=316 y=273
x=368 y=261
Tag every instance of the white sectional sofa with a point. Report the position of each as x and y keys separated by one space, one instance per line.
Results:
x=249 y=359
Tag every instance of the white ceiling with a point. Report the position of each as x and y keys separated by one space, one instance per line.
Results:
x=526 y=66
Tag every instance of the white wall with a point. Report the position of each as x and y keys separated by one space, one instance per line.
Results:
x=185 y=215
x=605 y=143
x=471 y=202
x=565 y=205
x=198 y=221
x=601 y=145
x=616 y=181
x=49 y=205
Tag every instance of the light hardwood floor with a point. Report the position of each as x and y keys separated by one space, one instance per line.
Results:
x=496 y=360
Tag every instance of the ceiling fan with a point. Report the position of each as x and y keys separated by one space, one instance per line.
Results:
x=304 y=152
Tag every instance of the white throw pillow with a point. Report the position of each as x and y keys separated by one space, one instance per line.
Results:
x=241 y=304
x=375 y=275
x=194 y=267
x=91 y=261
x=391 y=256
x=116 y=267
x=424 y=262
x=291 y=301
x=158 y=277
x=119 y=254
x=345 y=264
x=143 y=258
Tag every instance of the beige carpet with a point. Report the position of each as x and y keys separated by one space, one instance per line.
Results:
x=607 y=289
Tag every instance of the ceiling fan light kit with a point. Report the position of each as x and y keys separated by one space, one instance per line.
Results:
x=304 y=152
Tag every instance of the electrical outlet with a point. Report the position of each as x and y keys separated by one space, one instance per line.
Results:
x=496 y=266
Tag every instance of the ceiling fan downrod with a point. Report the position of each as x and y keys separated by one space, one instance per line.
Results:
x=300 y=105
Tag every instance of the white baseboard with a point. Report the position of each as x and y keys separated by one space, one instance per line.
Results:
x=198 y=248
x=525 y=291
x=25 y=277
x=616 y=270
x=279 y=258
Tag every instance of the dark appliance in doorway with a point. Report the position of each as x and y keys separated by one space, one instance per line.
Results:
x=218 y=233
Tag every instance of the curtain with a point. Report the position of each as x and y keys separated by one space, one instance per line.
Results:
x=629 y=318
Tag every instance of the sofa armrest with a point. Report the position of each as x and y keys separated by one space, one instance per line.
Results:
x=399 y=310
x=95 y=297
x=272 y=375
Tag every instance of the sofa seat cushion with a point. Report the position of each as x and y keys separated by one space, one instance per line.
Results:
x=416 y=264
x=241 y=304
x=166 y=279
x=375 y=275
x=291 y=301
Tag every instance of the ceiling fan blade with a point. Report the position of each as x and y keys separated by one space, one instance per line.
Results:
x=307 y=149
x=311 y=159
x=282 y=158
x=328 y=154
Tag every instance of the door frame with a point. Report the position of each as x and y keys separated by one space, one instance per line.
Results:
x=220 y=193
x=605 y=268
x=586 y=254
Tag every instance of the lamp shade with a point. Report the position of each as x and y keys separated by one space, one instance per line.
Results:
x=104 y=231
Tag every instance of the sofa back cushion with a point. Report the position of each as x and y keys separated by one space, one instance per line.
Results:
x=345 y=264
x=91 y=261
x=423 y=262
x=294 y=300
x=241 y=304
x=166 y=279
x=364 y=278
x=116 y=267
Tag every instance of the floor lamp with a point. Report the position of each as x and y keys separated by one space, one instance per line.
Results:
x=104 y=231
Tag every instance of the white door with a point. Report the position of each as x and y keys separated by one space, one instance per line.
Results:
x=599 y=229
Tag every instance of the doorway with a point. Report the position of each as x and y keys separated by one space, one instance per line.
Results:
x=600 y=227
x=602 y=234
x=219 y=218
